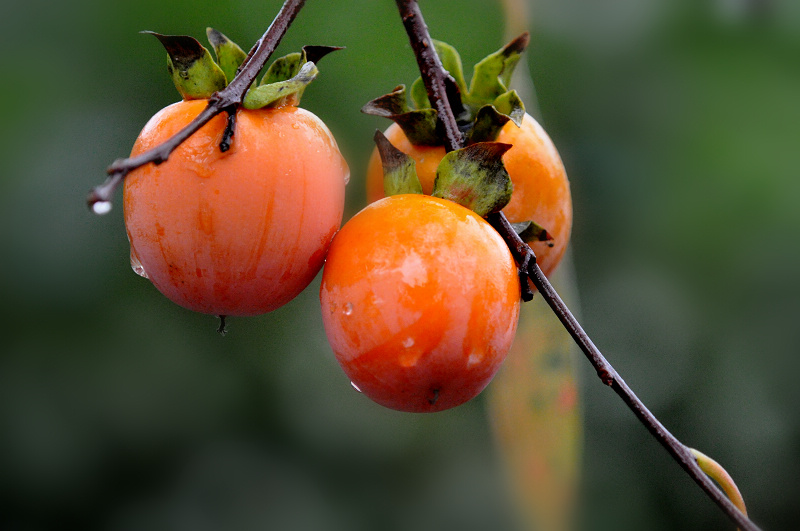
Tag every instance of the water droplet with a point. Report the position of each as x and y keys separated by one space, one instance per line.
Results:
x=137 y=266
x=101 y=207
x=408 y=342
x=355 y=387
x=295 y=125
x=348 y=308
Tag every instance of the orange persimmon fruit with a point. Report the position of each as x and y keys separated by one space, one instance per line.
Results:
x=420 y=300
x=240 y=232
x=541 y=187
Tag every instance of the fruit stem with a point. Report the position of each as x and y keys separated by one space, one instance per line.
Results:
x=229 y=97
x=433 y=76
x=222 y=329
x=230 y=130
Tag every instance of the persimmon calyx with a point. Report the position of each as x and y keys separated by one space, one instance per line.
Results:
x=197 y=76
x=229 y=55
x=193 y=70
x=420 y=126
x=491 y=118
x=492 y=75
x=399 y=170
x=281 y=93
x=475 y=177
x=530 y=231
x=481 y=110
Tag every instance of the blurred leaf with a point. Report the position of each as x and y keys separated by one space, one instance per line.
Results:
x=534 y=408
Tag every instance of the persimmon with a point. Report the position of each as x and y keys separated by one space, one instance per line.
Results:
x=541 y=187
x=486 y=110
x=420 y=299
x=241 y=231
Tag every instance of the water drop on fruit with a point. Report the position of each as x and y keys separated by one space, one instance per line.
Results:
x=408 y=342
x=348 y=308
x=101 y=207
x=355 y=386
x=137 y=266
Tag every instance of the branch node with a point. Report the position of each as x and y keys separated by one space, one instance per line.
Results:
x=605 y=377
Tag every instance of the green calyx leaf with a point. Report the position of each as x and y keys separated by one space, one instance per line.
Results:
x=288 y=66
x=475 y=177
x=419 y=95
x=229 y=55
x=510 y=104
x=491 y=118
x=283 y=68
x=481 y=111
x=530 y=232
x=492 y=75
x=399 y=170
x=451 y=61
x=281 y=92
x=287 y=78
x=420 y=126
x=191 y=66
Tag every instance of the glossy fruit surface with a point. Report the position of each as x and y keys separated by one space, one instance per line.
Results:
x=541 y=188
x=420 y=300
x=240 y=232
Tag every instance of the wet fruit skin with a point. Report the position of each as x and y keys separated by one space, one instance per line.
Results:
x=241 y=232
x=541 y=188
x=420 y=301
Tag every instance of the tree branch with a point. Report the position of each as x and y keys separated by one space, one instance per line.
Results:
x=434 y=75
x=99 y=199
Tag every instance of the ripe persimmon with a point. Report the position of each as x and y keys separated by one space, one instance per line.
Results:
x=420 y=299
x=239 y=231
x=541 y=187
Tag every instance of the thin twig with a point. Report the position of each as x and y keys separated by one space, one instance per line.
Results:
x=99 y=199
x=431 y=69
x=433 y=75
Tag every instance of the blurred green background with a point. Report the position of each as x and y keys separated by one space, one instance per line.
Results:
x=679 y=124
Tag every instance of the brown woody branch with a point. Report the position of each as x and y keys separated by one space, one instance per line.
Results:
x=433 y=76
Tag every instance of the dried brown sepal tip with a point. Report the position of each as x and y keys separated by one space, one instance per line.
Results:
x=399 y=170
x=481 y=110
x=530 y=231
x=475 y=177
x=421 y=126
